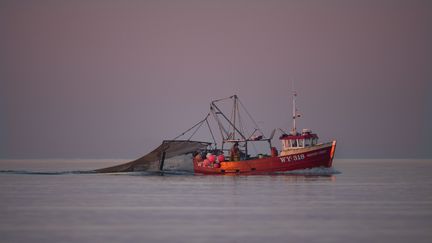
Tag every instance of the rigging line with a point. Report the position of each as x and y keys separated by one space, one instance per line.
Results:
x=202 y=122
x=283 y=132
x=253 y=133
x=211 y=132
x=230 y=97
x=240 y=122
x=223 y=115
x=220 y=123
x=233 y=118
x=191 y=128
x=250 y=117
x=221 y=127
x=237 y=116
x=243 y=128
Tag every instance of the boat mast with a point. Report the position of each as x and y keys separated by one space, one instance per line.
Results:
x=294 y=114
x=218 y=111
x=234 y=117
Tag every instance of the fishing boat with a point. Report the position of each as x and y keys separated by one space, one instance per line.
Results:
x=300 y=150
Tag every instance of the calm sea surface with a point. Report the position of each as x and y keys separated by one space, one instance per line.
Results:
x=368 y=201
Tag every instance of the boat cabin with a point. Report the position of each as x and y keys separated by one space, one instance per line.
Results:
x=297 y=140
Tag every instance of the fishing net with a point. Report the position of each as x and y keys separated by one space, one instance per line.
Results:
x=176 y=152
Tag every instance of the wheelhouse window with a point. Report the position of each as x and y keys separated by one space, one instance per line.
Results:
x=286 y=143
x=307 y=142
x=300 y=142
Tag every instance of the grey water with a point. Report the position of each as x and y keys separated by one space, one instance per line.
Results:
x=356 y=201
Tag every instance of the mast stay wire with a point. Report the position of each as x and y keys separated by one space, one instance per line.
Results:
x=198 y=127
x=244 y=130
x=250 y=117
x=230 y=97
x=240 y=120
x=198 y=124
x=211 y=132
x=231 y=134
x=221 y=127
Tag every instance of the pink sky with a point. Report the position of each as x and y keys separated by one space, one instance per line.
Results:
x=112 y=79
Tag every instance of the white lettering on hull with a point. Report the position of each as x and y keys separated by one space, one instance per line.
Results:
x=292 y=158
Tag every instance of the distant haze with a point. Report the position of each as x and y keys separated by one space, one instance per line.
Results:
x=112 y=79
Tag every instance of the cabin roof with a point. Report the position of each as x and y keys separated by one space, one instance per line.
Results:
x=298 y=136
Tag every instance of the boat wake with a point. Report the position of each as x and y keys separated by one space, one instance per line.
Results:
x=317 y=171
x=25 y=172
x=79 y=172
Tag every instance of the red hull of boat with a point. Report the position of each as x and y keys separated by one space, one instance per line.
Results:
x=321 y=156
